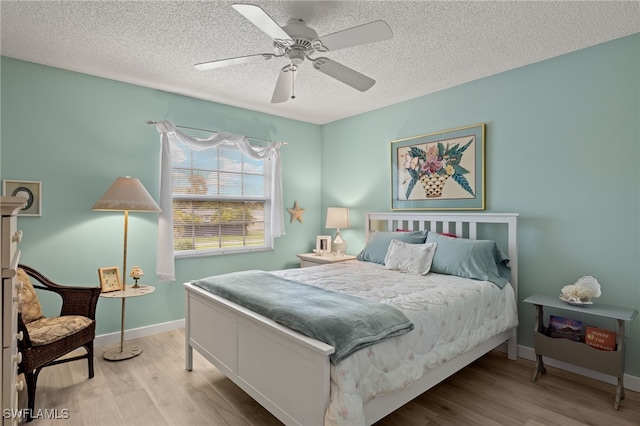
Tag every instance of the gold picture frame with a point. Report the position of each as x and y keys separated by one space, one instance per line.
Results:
x=110 y=279
x=30 y=189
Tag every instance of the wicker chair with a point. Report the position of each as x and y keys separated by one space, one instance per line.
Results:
x=45 y=340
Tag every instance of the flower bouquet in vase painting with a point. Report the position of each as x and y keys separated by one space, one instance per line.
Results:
x=433 y=166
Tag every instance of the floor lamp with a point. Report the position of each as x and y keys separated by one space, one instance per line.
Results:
x=126 y=194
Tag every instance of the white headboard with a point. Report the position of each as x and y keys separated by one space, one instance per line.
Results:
x=460 y=224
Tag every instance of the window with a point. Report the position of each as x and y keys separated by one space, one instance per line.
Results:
x=221 y=201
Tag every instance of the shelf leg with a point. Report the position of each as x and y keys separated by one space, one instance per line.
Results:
x=621 y=350
x=539 y=368
x=539 y=328
x=619 y=396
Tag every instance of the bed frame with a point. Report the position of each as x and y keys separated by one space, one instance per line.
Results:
x=287 y=372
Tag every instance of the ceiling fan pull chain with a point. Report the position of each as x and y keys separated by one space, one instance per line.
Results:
x=293 y=82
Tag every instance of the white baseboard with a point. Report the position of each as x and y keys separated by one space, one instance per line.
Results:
x=630 y=382
x=107 y=339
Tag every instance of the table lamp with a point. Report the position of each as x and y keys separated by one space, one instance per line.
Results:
x=338 y=218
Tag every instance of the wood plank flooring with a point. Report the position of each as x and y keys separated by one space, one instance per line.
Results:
x=155 y=389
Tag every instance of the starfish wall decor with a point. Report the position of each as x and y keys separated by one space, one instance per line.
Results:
x=296 y=213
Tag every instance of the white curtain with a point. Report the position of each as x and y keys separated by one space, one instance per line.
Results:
x=165 y=267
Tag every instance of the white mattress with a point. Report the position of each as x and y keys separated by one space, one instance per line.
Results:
x=451 y=316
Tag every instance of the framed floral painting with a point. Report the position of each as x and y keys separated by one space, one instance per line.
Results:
x=439 y=171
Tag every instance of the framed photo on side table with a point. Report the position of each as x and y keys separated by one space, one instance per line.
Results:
x=110 y=279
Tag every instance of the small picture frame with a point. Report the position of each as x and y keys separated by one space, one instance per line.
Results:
x=323 y=244
x=110 y=279
x=30 y=189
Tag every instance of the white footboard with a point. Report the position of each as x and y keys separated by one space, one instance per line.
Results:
x=285 y=371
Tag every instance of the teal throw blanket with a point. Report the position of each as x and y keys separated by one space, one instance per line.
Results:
x=347 y=323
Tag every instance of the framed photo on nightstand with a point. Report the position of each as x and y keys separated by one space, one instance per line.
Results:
x=323 y=244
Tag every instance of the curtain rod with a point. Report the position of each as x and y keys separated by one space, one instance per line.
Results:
x=150 y=122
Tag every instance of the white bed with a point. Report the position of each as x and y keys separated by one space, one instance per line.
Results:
x=291 y=375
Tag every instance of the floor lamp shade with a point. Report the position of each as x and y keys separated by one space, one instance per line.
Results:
x=127 y=193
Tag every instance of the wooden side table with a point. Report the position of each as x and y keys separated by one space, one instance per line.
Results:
x=312 y=259
x=129 y=351
x=578 y=353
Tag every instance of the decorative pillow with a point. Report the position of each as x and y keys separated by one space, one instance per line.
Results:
x=30 y=304
x=476 y=259
x=411 y=258
x=376 y=248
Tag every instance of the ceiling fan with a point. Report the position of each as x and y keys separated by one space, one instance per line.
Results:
x=296 y=42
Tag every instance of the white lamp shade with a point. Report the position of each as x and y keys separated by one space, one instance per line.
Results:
x=127 y=193
x=337 y=218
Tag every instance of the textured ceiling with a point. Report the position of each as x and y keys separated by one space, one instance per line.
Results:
x=436 y=45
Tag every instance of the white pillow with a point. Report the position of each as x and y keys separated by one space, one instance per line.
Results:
x=411 y=258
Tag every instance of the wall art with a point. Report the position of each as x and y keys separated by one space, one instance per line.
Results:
x=439 y=171
x=31 y=190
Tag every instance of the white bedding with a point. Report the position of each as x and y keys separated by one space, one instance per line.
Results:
x=451 y=316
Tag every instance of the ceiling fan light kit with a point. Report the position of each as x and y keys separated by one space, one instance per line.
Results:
x=296 y=42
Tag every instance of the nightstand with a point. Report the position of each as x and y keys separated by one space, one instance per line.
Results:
x=579 y=353
x=311 y=259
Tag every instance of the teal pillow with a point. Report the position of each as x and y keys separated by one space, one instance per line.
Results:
x=376 y=248
x=476 y=259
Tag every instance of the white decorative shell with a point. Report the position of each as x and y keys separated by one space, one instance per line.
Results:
x=589 y=285
x=582 y=291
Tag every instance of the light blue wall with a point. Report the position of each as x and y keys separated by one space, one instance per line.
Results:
x=562 y=150
x=77 y=133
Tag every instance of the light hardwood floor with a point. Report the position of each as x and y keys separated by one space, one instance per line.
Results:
x=155 y=389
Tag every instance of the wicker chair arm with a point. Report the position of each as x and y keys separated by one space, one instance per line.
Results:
x=80 y=301
x=75 y=300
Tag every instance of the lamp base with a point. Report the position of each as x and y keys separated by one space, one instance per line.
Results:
x=338 y=246
x=129 y=351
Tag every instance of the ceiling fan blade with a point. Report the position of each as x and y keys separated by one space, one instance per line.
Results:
x=260 y=19
x=284 y=86
x=233 y=61
x=344 y=74
x=363 y=34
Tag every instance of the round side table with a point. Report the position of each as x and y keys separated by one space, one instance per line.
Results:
x=128 y=351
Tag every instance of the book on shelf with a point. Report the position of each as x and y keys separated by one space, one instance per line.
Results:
x=600 y=338
x=565 y=327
